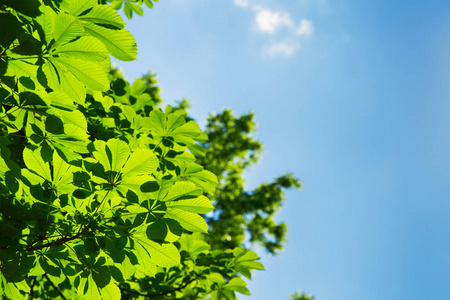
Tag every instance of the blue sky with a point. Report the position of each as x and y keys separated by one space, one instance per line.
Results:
x=352 y=97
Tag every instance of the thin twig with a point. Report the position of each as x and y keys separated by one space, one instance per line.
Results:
x=32 y=287
x=182 y=286
x=59 y=241
x=55 y=287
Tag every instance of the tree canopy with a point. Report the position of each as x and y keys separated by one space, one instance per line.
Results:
x=103 y=194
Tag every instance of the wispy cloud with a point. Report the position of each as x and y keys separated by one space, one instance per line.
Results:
x=280 y=26
x=305 y=28
x=241 y=3
x=282 y=48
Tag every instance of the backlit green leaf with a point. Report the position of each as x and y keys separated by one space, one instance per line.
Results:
x=200 y=205
x=120 y=43
x=183 y=190
x=103 y=14
x=66 y=28
x=190 y=221
x=141 y=161
x=34 y=161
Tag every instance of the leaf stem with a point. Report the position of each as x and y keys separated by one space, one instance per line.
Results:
x=183 y=284
x=32 y=287
x=55 y=287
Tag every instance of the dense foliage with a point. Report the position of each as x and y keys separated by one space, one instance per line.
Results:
x=102 y=193
x=99 y=189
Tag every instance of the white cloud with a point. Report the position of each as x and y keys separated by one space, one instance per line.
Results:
x=285 y=49
x=305 y=28
x=286 y=34
x=241 y=3
x=270 y=21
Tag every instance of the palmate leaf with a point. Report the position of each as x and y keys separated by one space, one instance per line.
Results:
x=204 y=179
x=187 y=133
x=120 y=43
x=236 y=284
x=112 y=154
x=103 y=14
x=245 y=261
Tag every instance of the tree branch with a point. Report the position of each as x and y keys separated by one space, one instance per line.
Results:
x=32 y=287
x=183 y=284
x=58 y=241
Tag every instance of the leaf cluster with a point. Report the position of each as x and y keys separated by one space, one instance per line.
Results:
x=100 y=190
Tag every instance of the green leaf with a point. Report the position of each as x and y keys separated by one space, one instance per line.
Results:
x=119 y=153
x=182 y=190
x=103 y=14
x=204 y=179
x=120 y=43
x=245 y=261
x=143 y=257
x=137 y=88
x=20 y=68
x=34 y=162
x=102 y=155
x=164 y=230
x=190 y=221
x=86 y=48
x=76 y=7
x=47 y=22
x=192 y=244
x=90 y=73
x=238 y=285
x=89 y=288
x=66 y=28
x=136 y=8
x=148 y=3
x=110 y=292
x=65 y=82
x=200 y=205
x=164 y=255
x=128 y=10
x=61 y=100
x=138 y=184
x=9 y=289
x=75 y=117
x=141 y=161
